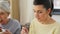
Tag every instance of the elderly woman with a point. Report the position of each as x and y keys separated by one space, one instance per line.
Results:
x=11 y=26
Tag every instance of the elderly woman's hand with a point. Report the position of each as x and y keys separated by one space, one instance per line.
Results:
x=24 y=30
x=7 y=32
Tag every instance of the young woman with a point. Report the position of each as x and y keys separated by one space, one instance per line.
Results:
x=43 y=23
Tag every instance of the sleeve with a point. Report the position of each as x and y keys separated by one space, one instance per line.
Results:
x=17 y=31
x=31 y=29
x=17 y=28
x=57 y=31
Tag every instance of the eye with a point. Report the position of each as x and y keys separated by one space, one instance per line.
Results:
x=34 y=11
x=1 y=13
x=39 y=11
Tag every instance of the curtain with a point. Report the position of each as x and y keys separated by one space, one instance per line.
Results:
x=15 y=13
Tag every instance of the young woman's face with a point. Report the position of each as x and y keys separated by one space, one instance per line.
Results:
x=40 y=12
x=3 y=15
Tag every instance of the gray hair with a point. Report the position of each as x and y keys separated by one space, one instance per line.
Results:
x=5 y=6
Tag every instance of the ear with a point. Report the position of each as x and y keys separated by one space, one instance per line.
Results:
x=49 y=10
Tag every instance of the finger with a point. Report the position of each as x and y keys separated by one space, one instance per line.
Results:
x=7 y=31
x=24 y=28
x=22 y=32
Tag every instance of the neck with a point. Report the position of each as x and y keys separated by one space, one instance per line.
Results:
x=49 y=20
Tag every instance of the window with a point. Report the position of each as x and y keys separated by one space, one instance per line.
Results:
x=56 y=10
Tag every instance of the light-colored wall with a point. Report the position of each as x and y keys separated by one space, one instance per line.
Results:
x=56 y=17
x=25 y=11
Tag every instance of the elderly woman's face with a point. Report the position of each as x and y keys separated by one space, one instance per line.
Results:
x=3 y=14
x=40 y=12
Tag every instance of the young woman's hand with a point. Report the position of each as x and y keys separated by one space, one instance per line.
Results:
x=24 y=30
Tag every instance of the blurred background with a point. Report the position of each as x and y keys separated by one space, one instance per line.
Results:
x=22 y=10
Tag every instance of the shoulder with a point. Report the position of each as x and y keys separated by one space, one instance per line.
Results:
x=57 y=24
x=57 y=29
x=15 y=22
x=34 y=20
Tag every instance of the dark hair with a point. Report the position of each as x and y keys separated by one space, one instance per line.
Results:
x=46 y=3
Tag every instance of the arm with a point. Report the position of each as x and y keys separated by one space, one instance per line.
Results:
x=18 y=31
x=17 y=27
x=31 y=29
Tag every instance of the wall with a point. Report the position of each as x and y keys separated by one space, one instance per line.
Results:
x=25 y=11
x=56 y=17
